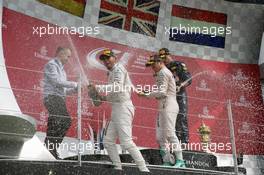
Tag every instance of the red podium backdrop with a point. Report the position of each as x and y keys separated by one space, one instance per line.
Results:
x=26 y=54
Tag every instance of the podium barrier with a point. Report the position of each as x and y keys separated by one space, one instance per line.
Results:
x=15 y=129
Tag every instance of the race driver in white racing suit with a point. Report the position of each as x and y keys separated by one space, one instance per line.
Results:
x=118 y=93
x=168 y=109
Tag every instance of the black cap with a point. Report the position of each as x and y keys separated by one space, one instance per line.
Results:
x=173 y=66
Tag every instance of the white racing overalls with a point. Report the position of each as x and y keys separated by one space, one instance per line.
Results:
x=167 y=114
x=118 y=93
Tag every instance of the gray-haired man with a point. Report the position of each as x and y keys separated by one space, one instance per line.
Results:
x=56 y=87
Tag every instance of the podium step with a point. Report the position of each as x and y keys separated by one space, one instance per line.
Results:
x=90 y=168
x=193 y=159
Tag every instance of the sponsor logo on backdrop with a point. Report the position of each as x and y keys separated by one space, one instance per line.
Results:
x=206 y=114
x=203 y=86
x=239 y=75
x=4 y=26
x=92 y=56
x=246 y=129
x=43 y=118
x=85 y=109
x=195 y=163
x=42 y=53
x=242 y=102
x=134 y=137
x=140 y=62
x=38 y=87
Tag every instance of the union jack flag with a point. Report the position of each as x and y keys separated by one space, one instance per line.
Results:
x=139 y=16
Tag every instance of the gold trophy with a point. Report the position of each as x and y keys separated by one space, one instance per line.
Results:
x=205 y=132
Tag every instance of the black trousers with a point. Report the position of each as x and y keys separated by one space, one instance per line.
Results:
x=59 y=121
x=182 y=129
